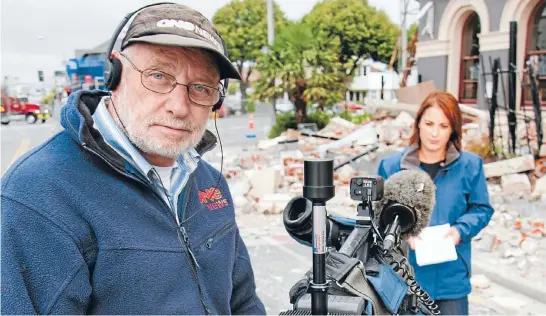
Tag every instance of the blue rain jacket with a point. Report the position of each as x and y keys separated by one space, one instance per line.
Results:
x=82 y=234
x=462 y=200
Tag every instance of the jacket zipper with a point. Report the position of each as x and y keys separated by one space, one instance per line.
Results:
x=182 y=229
x=189 y=253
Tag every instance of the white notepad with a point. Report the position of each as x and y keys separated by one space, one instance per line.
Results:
x=433 y=247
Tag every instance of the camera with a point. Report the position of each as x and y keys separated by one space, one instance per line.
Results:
x=353 y=272
x=364 y=188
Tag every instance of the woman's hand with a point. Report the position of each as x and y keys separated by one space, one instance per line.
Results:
x=411 y=242
x=454 y=234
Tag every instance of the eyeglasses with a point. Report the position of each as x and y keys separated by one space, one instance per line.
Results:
x=163 y=83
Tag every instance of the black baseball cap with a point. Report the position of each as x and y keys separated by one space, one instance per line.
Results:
x=179 y=25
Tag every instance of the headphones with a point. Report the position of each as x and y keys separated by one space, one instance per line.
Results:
x=113 y=66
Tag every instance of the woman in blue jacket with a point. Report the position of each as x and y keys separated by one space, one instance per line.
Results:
x=462 y=199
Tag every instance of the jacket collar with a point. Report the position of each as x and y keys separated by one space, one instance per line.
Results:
x=410 y=159
x=76 y=118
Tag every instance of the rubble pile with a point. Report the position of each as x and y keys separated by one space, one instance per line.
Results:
x=526 y=134
x=265 y=178
x=516 y=234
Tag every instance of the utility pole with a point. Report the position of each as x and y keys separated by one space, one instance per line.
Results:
x=270 y=23
x=270 y=41
x=404 y=34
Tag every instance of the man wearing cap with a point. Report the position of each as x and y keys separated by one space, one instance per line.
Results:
x=128 y=218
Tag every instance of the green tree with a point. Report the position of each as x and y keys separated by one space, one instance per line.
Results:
x=411 y=30
x=362 y=30
x=306 y=68
x=243 y=25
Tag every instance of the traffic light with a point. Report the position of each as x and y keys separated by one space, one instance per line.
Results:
x=40 y=76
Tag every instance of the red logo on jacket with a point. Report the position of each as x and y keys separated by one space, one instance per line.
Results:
x=212 y=198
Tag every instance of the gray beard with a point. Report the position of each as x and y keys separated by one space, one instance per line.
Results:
x=137 y=132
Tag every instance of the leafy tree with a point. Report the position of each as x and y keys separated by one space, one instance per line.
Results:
x=306 y=68
x=243 y=25
x=362 y=30
x=411 y=30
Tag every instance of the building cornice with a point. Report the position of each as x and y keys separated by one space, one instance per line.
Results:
x=432 y=49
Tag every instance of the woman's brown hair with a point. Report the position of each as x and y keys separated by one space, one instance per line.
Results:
x=450 y=106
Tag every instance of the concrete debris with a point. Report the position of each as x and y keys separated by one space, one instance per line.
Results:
x=337 y=127
x=388 y=132
x=540 y=187
x=480 y=281
x=515 y=235
x=509 y=166
x=263 y=182
x=273 y=203
x=516 y=183
x=404 y=120
x=263 y=179
x=363 y=136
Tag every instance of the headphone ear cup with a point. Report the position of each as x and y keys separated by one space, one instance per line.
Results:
x=112 y=73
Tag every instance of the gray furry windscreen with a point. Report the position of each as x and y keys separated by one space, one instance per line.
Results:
x=413 y=188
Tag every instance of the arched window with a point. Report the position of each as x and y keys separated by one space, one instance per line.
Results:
x=470 y=60
x=536 y=51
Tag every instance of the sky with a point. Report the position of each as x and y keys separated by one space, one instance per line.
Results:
x=39 y=35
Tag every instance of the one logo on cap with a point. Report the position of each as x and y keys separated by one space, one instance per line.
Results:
x=188 y=26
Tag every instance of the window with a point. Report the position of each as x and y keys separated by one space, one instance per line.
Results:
x=536 y=52
x=470 y=61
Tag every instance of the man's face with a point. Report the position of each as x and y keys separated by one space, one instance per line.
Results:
x=163 y=125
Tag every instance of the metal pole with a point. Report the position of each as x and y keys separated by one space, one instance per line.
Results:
x=270 y=41
x=270 y=23
x=536 y=105
x=494 y=101
x=404 y=35
x=512 y=58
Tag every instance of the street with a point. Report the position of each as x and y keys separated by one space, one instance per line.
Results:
x=18 y=137
x=278 y=261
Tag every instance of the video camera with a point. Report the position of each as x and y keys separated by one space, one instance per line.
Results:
x=359 y=265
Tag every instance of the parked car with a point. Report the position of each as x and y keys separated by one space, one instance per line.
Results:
x=350 y=107
x=284 y=107
x=234 y=105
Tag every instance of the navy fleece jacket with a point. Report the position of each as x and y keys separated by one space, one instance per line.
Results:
x=82 y=235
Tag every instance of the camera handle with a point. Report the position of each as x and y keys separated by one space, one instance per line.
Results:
x=355 y=241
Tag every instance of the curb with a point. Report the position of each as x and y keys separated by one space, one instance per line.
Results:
x=515 y=284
